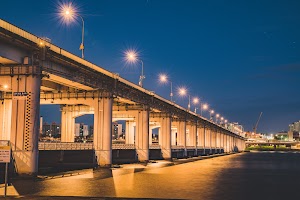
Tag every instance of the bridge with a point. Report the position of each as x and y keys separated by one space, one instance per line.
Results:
x=34 y=72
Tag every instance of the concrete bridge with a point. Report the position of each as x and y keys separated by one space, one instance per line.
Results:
x=33 y=72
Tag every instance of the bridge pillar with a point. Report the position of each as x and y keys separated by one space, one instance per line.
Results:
x=129 y=132
x=68 y=116
x=5 y=119
x=208 y=139
x=221 y=140
x=67 y=125
x=181 y=135
x=165 y=134
x=103 y=129
x=213 y=138
x=174 y=137
x=218 y=139
x=200 y=138
x=25 y=121
x=192 y=135
x=142 y=135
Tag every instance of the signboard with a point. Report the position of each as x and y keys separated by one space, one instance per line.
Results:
x=4 y=152
x=19 y=95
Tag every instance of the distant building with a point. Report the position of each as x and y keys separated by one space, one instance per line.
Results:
x=81 y=130
x=294 y=131
x=282 y=136
x=117 y=131
x=52 y=130
x=236 y=128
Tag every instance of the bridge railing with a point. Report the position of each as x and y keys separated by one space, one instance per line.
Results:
x=123 y=146
x=65 y=146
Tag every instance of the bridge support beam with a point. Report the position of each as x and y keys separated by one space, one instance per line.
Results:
x=142 y=135
x=129 y=132
x=181 y=135
x=103 y=130
x=165 y=134
x=174 y=136
x=5 y=119
x=200 y=138
x=25 y=122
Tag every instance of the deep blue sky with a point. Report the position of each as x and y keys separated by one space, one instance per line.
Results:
x=241 y=57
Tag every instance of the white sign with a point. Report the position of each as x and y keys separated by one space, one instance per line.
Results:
x=19 y=95
x=4 y=154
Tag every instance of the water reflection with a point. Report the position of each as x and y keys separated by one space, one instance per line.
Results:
x=239 y=176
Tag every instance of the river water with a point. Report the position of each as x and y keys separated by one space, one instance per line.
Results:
x=254 y=175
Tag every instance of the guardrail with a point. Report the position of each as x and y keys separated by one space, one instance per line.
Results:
x=65 y=146
x=154 y=146
x=123 y=146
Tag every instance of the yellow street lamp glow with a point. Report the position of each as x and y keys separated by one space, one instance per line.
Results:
x=212 y=112
x=195 y=100
x=67 y=13
x=163 y=78
x=205 y=106
x=217 y=115
x=182 y=91
x=222 y=118
x=5 y=86
x=131 y=56
x=225 y=121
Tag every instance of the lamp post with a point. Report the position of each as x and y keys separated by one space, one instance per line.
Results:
x=69 y=14
x=217 y=116
x=211 y=112
x=195 y=102
x=164 y=79
x=132 y=57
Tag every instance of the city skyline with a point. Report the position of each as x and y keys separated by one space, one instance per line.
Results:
x=241 y=58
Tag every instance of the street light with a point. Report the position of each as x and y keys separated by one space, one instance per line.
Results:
x=203 y=107
x=195 y=102
x=211 y=112
x=164 y=79
x=68 y=13
x=217 y=116
x=183 y=92
x=132 y=57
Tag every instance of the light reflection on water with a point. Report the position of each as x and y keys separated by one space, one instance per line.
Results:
x=239 y=176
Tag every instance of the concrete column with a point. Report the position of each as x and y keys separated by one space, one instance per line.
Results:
x=5 y=119
x=103 y=130
x=228 y=143
x=150 y=135
x=204 y=138
x=221 y=140
x=212 y=138
x=165 y=135
x=173 y=138
x=207 y=137
x=129 y=132
x=25 y=123
x=67 y=126
x=218 y=139
x=192 y=135
x=142 y=135
x=181 y=133
x=201 y=136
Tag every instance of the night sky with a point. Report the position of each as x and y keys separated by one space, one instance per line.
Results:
x=240 y=57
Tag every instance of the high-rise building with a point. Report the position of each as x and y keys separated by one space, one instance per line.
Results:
x=117 y=130
x=294 y=131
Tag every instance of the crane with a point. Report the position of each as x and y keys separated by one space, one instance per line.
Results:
x=255 y=127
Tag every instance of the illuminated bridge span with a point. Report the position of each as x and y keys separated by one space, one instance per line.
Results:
x=34 y=71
